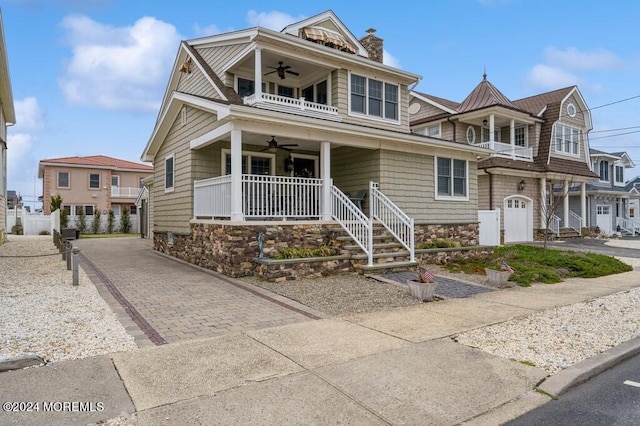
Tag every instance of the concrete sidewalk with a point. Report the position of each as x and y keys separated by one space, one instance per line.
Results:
x=393 y=367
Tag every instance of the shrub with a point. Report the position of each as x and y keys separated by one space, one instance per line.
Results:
x=44 y=232
x=110 y=219
x=95 y=223
x=439 y=243
x=125 y=221
x=81 y=223
x=56 y=204
x=299 y=252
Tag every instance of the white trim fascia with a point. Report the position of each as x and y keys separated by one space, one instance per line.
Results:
x=238 y=57
x=588 y=123
x=233 y=37
x=542 y=111
x=294 y=29
x=433 y=103
x=604 y=155
x=274 y=117
x=211 y=136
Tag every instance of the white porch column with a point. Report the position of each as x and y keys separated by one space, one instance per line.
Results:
x=512 y=137
x=325 y=172
x=543 y=203
x=258 y=74
x=583 y=203
x=492 y=126
x=565 y=193
x=236 y=175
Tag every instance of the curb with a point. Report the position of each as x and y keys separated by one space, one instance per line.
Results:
x=581 y=372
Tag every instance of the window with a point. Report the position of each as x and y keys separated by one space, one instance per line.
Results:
x=88 y=210
x=94 y=181
x=471 y=134
x=133 y=209
x=619 y=174
x=67 y=210
x=566 y=139
x=260 y=163
x=63 y=179
x=571 y=110
x=604 y=171
x=374 y=97
x=485 y=134
x=316 y=93
x=520 y=137
x=246 y=87
x=169 y=172
x=115 y=180
x=451 y=177
x=434 y=131
x=116 y=209
x=285 y=91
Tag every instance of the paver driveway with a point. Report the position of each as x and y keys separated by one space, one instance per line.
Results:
x=170 y=300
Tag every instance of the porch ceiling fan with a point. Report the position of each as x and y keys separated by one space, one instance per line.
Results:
x=273 y=145
x=281 y=70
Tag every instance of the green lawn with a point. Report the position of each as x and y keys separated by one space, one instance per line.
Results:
x=534 y=264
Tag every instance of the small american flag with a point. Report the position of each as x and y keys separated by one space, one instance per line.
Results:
x=425 y=276
x=505 y=267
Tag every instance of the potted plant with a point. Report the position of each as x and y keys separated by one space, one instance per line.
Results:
x=499 y=278
x=424 y=287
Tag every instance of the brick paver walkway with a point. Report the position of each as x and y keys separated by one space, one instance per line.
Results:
x=170 y=300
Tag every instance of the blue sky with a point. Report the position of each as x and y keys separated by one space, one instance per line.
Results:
x=88 y=75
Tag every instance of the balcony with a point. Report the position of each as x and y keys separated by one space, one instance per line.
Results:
x=509 y=151
x=124 y=192
x=293 y=105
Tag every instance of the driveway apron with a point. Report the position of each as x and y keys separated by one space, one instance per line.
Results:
x=169 y=300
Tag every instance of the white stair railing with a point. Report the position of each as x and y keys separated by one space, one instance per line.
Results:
x=354 y=221
x=392 y=218
x=630 y=225
x=554 y=225
x=575 y=222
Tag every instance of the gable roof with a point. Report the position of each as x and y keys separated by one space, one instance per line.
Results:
x=94 y=161
x=536 y=104
x=485 y=95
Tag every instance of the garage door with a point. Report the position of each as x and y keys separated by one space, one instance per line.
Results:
x=518 y=220
x=603 y=219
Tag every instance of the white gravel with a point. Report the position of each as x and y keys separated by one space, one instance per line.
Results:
x=43 y=314
x=556 y=338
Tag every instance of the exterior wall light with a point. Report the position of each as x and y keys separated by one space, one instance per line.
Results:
x=521 y=185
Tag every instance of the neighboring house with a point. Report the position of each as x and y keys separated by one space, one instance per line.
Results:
x=13 y=199
x=607 y=196
x=95 y=182
x=7 y=118
x=266 y=132
x=633 y=188
x=538 y=143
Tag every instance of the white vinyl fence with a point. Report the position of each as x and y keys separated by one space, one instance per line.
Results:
x=489 y=227
x=38 y=223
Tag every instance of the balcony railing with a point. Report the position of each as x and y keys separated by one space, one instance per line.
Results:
x=263 y=197
x=124 y=192
x=507 y=150
x=290 y=103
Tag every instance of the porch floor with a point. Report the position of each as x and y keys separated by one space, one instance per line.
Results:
x=447 y=288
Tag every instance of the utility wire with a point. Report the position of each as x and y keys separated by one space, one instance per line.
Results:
x=617 y=134
x=614 y=130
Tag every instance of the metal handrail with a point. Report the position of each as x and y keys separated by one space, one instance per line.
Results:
x=392 y=218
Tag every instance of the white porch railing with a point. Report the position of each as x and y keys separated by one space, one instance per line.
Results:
x=300 y=103
x=125 y=192
x=354 y=221
x=575 y=222
x=630 y=225
x=262 y=197
x=508 y=150
x=554 y=225
x=392 y=218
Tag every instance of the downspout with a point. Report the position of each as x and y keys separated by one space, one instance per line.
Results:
x=454 y=127
x=490 y=188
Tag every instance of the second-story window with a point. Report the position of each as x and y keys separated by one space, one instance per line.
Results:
x=246 y=87
x=94 y=181
x=374 y=98
x=486 y=133
x=316 y=93
x=285 y=91
x=566 y=139
x=604 y=171
x=63 y=179
x=519 y=137
x=619 y=174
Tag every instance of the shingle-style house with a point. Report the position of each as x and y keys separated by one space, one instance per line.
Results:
x=608 y=196
x=7 y=117
x=538 y=144
x=263 y=137
x=633 y=189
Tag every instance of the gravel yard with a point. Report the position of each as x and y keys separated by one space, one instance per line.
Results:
x=43 y=314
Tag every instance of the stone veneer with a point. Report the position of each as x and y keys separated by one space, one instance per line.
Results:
x=232 y=249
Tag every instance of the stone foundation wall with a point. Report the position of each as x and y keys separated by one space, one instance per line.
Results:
x=231 y=249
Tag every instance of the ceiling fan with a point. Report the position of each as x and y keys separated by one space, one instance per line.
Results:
x=273 y=145
x=281 y=70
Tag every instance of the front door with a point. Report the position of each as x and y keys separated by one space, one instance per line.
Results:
x=518 y=220
x=603 y=219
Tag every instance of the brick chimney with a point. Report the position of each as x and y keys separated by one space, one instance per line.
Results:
x=373 y=45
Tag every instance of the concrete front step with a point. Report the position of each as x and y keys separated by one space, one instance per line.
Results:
x=380 y=246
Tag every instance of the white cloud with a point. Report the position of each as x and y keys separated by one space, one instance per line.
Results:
x=18 y=146
x=118 y=68
x=574 y=59
x=549 y=77
x=29 y=116
x=273 y=20
x=389 y=59
x=207 y=30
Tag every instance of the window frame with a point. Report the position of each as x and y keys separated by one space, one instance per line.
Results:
x=58 y=180
x=171 y=157
x=603 y=171
x=117 y=178
x=516 y=135
x=451 y=195
x=389 y=106
x=565 y=144
x=496 y=134
x=248 y=155
x=616 y=168
x=471 y=135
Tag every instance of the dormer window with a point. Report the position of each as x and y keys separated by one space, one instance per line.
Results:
x=618 y=175
x=604 y=171
x=566 y=139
